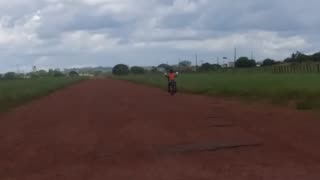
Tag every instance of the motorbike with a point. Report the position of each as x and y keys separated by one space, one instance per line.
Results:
x=172 y=86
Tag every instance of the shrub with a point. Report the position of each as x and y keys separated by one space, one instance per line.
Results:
x=73 y=74
x=244 y=62
x=10 y=75
x=120 y=69
x=137 y=70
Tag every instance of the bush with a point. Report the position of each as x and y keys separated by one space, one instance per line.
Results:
x=58 y=74
x=165 y=67
x=73 y=74
x=269 y=62
x=120 y=69
x=244 y=62
x=209 y=67
x=10 y=75
x=39 y=74
x=137 y=70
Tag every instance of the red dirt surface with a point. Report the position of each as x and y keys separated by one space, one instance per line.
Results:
x=107 y=129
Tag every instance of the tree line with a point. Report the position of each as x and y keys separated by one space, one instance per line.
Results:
x=37 y=74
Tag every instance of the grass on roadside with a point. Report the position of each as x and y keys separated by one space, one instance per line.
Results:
x=304 y=89
x=15 y=92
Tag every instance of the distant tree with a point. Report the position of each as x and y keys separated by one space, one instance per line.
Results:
x=205 y=67
x=50 y=72
x=137 y=70
x=166 y=67
x=299 y=57
x=120 y=69
x=268 y=62
x=97 y=73
x=10 y=75
x=42 y=73
x=73 y=74
x=185 y=63
x=316 y=57
x=184 y=66
x=209 y=67
x=303 y=58
x=243 y=62
x=57 y=73
x=154 y=69
x=1 y=76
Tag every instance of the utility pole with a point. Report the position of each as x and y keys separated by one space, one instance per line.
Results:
x=235 y=55
x=196 y=61
x=251 y=55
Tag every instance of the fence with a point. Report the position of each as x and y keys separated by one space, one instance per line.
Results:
x=283 y=68
x=297 y=68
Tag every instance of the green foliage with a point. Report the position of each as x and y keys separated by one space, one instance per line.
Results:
x=185 y=63
x=166 y=67
x=39 y=74
x=299 y=57
x=209 y=67
x=137 y=70
x=97 y=73
x=300 y=87
x=10 y=76
x=57 y=73
x=154 y=69
x=73 y=74
x=244 y=62
x=120 y=69
x=268 y=62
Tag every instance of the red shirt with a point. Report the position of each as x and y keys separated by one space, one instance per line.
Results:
x=171 y=76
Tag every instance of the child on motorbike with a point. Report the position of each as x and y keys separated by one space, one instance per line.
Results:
x=171 y=78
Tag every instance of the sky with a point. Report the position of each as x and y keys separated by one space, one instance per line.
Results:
x=81 y=33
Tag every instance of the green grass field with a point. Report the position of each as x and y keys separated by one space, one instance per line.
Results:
x=304 y=88
x=15 y=92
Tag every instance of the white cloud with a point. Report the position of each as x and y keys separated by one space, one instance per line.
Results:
x=85 y=42
x=105 y=32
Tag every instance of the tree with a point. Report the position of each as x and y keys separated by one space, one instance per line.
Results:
x=97 y=73
x=154 y=69
x=268 y=62
x=42 y=73
x=185 y=63
x=73 y=74
x=10 y=75
x=166 y=67
x=137 y=70
x=243 y=62
x=51 y=72
x=57 y=73
x=120 y=69
x=316 y=57
x=1 y=76
x=209 y=67
x=185 y=66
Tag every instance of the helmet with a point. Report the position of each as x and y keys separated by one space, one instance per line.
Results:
x=171 y=70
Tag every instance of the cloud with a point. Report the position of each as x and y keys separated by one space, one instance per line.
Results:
x=66 y=33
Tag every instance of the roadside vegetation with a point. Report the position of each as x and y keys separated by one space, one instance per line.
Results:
x=296 y=80
x=19 y=88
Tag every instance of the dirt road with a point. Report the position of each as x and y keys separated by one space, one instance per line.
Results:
x=106 y=129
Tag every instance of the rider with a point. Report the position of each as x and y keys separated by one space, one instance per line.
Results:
x=171 y=78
